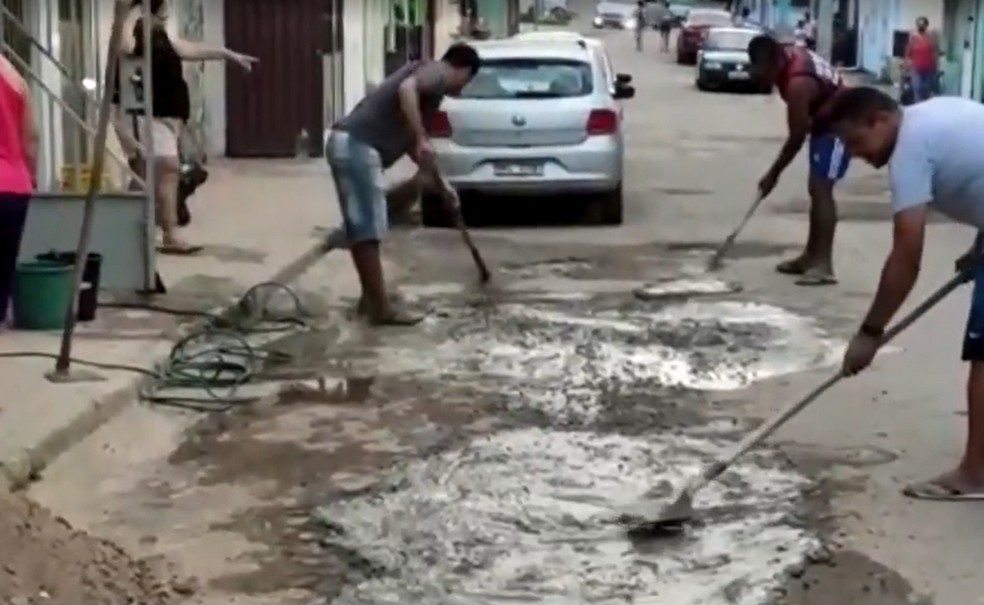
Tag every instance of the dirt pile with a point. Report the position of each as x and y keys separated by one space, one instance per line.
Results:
x=44 y=560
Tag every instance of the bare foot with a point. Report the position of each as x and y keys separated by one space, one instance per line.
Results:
x=952 y=485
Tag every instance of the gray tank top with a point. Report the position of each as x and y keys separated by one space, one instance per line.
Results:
x=378 y=119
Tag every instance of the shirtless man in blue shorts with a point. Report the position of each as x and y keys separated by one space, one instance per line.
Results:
x=808 y=84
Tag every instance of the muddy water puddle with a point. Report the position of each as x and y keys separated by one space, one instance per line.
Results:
x=526 y=516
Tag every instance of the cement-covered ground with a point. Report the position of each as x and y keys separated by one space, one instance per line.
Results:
x=482 y=457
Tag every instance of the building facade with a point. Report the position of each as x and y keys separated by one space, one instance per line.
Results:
x=316 y=59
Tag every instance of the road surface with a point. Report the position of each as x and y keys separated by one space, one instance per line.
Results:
x=482 y=457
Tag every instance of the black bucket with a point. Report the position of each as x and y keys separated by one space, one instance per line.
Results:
x=89 y=292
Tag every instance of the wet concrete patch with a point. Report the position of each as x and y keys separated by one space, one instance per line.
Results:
x=557 y=358
x=685 y=288
x=824 y=457
x=526 y=516
x=558 y=267
x=747 y=249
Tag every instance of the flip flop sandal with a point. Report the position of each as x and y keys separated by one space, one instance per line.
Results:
x=180 y=250
x=933 y=490
x=791 y=267
x=816 y=279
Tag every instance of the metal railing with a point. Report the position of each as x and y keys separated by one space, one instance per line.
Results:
x=81 y=123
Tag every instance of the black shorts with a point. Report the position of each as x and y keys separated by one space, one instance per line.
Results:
x=666 y=27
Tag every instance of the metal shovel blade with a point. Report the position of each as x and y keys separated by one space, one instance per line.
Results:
x=669 y=522
x=681 y=508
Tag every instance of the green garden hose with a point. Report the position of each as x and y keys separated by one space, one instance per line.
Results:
x=206 y=370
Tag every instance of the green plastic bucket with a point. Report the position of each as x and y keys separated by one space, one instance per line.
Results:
x=42 y=293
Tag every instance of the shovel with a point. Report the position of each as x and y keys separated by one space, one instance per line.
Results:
x=715 y=262
x=681 y=510
x=484 y=275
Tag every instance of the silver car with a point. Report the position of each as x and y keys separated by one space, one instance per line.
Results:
x=722 y=61
x=617 y=15
x=539 y=118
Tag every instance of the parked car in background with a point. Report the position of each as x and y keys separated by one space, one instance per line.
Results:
x=615 y=15
x=553 y=35
x=699 y=21
x=539 y=118
x=722 y=61
x=680 y=10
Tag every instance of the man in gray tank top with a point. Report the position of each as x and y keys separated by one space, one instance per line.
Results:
x=387 y=124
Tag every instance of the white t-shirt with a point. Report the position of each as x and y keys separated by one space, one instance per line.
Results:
x=938 y=160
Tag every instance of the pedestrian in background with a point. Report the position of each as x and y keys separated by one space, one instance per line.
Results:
x=171 y=108
x=640 y=23
x=663 y=18
x=810 y=31
x=18 y=161
x=799 y=35
x=921 y=62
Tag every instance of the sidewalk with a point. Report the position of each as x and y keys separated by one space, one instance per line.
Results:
x=254 y=217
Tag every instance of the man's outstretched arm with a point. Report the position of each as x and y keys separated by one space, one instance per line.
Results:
x=911 y=181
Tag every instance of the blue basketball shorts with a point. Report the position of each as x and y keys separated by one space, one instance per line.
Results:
x=829 y=158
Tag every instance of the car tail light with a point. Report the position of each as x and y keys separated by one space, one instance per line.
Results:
x=602 y=121
x=439 y=126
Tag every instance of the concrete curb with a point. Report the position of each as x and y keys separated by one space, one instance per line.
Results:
x=19 y=469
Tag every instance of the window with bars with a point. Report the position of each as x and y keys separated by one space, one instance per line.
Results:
x=14 y=40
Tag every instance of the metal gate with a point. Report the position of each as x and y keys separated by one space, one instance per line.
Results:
x=333 y=65
x=284 y=96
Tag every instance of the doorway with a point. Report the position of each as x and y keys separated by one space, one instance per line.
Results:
x=279 y=110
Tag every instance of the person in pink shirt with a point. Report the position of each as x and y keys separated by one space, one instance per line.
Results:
x=18 y=153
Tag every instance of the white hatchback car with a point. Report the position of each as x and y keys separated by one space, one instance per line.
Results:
x=540 y=118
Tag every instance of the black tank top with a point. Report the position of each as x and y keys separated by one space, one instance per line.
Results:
x=171 y=96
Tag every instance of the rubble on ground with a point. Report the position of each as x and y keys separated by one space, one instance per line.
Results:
x=43 y=559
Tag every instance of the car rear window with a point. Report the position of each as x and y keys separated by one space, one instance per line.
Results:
x=729 y=40
x=708 y=18
x=530 y=79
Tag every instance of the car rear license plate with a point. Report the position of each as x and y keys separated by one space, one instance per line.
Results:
x=518 y=169
x=738 y=75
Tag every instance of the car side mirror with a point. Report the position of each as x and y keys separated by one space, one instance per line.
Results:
x=623 y=91
x=623 y=78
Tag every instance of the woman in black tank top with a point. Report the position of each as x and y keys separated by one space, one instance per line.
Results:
x=171 y=108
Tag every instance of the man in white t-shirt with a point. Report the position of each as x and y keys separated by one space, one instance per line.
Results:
x=934 y=159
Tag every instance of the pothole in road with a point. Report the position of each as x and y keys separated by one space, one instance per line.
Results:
x=562 y=267
x=738 y=250
x=525 y=516
x=556 y=358
x=683 y=288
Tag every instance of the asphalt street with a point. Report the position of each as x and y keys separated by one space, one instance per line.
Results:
x=482 y=457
